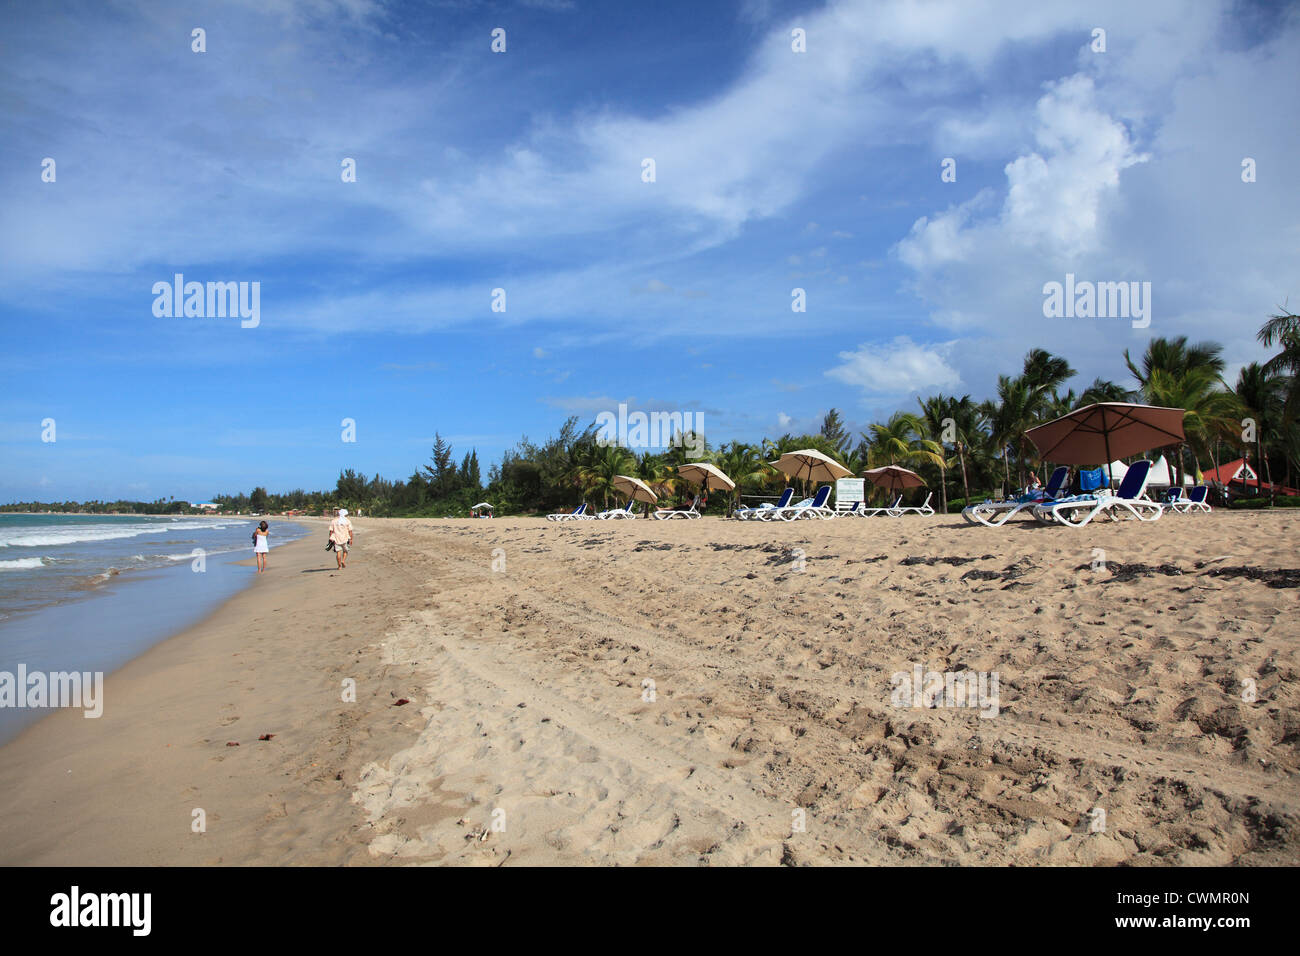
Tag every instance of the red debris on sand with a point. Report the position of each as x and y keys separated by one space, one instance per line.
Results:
x=401 y=701
x=266 y=736
x=232 y=743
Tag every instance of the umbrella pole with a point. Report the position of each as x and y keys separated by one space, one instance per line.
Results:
x=1110 y=478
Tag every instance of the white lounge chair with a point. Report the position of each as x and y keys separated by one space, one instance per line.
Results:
x=996 y=513
x=574 y=515
x=627 y=512
x=872 y=512
x=924 y=509
x=814 y=507
x=1128 y=500
x=745 y=514
x=665 y=513
x=1194 y=500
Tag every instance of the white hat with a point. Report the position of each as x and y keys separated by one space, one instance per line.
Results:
x=343 y=512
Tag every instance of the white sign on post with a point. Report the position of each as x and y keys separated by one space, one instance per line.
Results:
x=848 y=491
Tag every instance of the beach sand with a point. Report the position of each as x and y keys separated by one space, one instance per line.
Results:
x=531 y=736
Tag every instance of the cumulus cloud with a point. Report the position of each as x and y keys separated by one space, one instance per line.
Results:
x=898 y=368
x=1054 y=195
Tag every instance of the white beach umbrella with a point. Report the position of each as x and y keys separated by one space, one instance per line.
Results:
x=808 y=464
x=635 y=488
x=703 y=473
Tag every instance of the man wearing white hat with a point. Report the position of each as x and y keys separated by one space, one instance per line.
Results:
x=341 y=536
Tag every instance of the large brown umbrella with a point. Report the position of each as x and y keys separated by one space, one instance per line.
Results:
x=808 y=464
x=635 y=488
x=893 y=477
x=1106 y=431
x=702 y=473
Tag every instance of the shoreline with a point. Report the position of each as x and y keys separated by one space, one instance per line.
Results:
x=100 y=622
x=136 y=774
x=524 y=647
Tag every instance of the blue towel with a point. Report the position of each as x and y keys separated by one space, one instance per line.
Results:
x=1092 y=479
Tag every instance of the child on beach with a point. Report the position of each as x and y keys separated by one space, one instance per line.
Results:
x=260 y=546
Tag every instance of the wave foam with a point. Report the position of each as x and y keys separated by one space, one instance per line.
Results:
x=54 y=537
x=22 y=564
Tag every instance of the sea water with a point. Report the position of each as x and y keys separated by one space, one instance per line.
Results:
x=90 y=592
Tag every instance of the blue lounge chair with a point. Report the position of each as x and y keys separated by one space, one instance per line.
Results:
x=814 y=507
x=627 y=512
x=574 y=515
x=1128 y=501
x=1194 y=500
x=745 y=514
x=993 y=514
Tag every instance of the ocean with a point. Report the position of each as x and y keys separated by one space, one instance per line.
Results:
x=89 y=592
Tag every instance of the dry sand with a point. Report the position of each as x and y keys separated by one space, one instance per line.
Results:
x=529 y=738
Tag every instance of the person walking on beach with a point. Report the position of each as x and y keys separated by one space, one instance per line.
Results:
x=261 y=546
x=341 y=535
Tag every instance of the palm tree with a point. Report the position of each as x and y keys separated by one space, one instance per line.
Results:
x=1102 y=390
x=1262 y=398
x=1177 y=375
x=1208 y=408
x=659 y=473
x=1284 y=329
x=901 y=440
x=743 y=463
x=1010 y=417
x=601 y=466
x=1045 y=372
x=969 y=432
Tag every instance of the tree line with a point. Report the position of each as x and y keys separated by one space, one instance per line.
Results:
x=965 y=450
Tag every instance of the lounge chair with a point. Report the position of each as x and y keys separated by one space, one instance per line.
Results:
x=855 y=510
x=691 y=512
x=814 y=507
x=995 y=513
x=745 y=514
x=1129 y=497
x=871 y=512
x=573 y=515
x=1194 y=500
x=628 y=512
x=924 y=509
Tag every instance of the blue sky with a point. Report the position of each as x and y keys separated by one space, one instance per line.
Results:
x=522 y=170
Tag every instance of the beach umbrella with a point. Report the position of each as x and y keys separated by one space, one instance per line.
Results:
x=808 y=464
x=702 y=473
x=635 y=488
x=893 y=477
x=1106 y=431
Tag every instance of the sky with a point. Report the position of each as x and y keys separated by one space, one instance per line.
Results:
x=920 y=170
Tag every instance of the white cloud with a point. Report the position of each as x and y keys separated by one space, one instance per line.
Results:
x=1054 y=197
x=897 y=369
